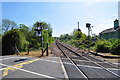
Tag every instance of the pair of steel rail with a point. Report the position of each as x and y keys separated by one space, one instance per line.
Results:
x=62 y=47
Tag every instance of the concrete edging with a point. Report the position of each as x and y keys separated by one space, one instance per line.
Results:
x=104 y=56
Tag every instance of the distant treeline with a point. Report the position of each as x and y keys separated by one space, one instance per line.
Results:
x=18 y=38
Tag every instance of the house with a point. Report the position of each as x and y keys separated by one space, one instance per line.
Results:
x=111 y=32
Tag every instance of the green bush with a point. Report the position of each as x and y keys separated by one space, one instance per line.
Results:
x=103 y=46
x=115 y=49
x=11 y=40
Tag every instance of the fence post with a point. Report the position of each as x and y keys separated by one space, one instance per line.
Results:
x=47 y=49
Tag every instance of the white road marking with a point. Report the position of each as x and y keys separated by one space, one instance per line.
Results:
x=67 y=63
x=116 y=63
x=84 y=60
x=49 y=60
x=39 y=59
x=12 y=57
x=113 y=69
x=51 y=57
x=90 y=66
x=98 y=67
x=4 y=56
x=65 y=73
x=78 y=64
x=2 y=69
x=29 y=71
x=83 y=65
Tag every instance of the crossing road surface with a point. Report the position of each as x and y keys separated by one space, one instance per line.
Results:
x=18 y=67
x=28 y=67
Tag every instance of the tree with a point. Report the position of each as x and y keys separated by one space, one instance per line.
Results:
x=12 y=41
x=65 y=37
x=24 y=27
x=8 y=25
x=77 y=34
x=25 y=30
x=47 y=34
x=23 y=38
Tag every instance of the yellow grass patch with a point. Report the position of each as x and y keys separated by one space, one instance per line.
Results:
x=34 y=53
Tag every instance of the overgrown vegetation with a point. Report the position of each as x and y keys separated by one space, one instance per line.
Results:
x=115 y=49
x=23 y=38
x=78 y=39
x=103 y=46
x=108 y=46
x=81 y=41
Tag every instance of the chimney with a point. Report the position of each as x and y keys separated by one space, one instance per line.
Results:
x=116 y=24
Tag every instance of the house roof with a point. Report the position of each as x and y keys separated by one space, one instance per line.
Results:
x=109 y=30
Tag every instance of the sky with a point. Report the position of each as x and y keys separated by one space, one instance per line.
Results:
x=63 y=16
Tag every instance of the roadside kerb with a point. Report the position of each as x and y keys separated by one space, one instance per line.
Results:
x=104 y=56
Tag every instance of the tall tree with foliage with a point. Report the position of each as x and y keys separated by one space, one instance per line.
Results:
x=8 y=25
x=77 y=34
x=46 y=32
x=25 y=30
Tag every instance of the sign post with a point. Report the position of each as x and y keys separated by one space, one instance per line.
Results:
x=89 y=29
x=38 y=30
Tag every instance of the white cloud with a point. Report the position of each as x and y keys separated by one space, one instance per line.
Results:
x=108 y=21
x=103 y=26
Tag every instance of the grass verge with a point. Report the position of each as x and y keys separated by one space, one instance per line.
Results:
x=34 y=53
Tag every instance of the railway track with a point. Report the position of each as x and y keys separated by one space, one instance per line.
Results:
x=93 y=58
x=86 y=67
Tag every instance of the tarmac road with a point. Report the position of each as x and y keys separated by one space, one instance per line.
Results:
x=29 y=67
x=18 y=67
